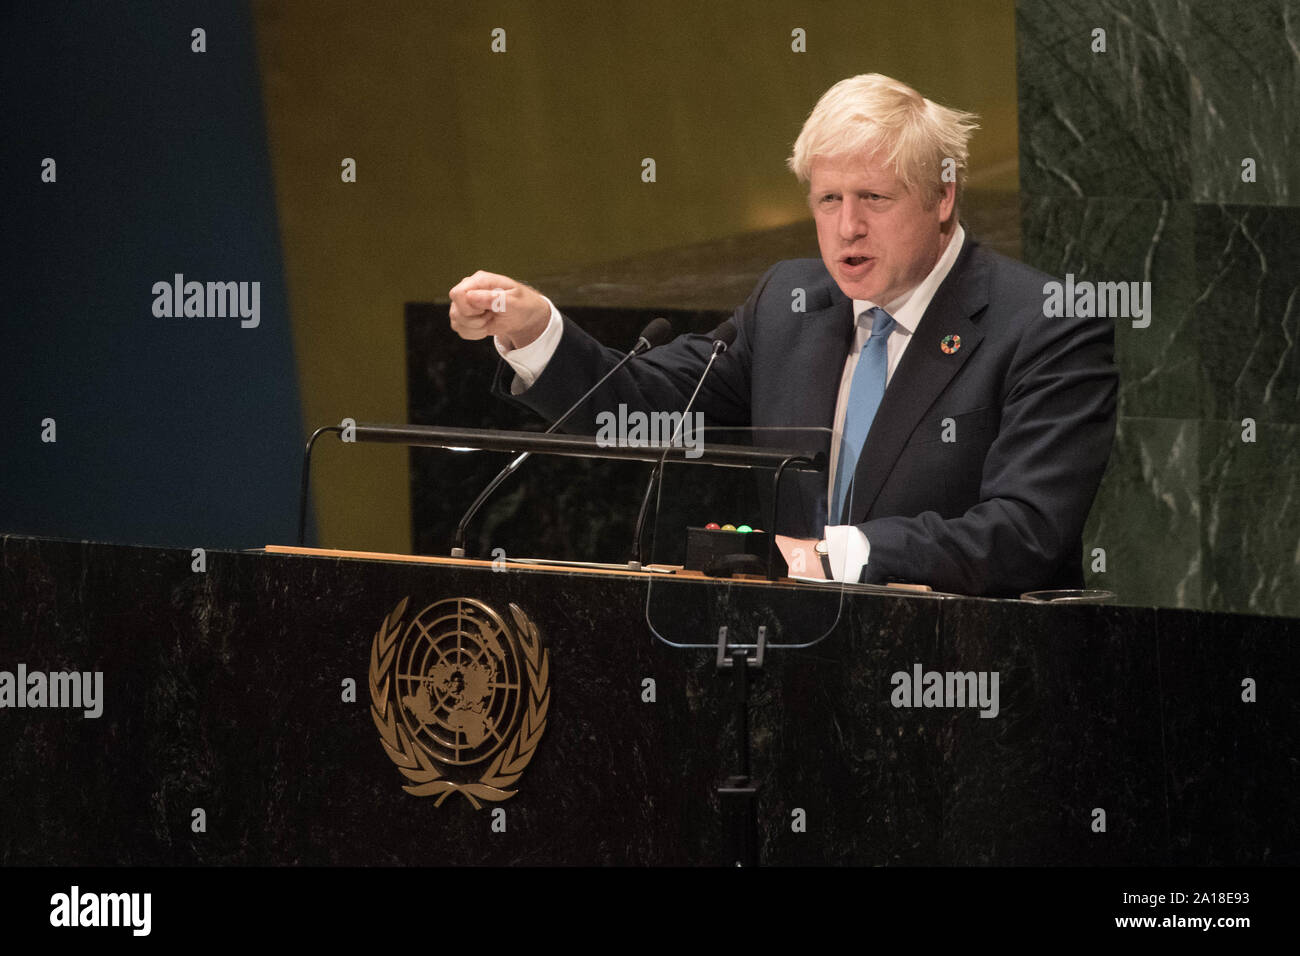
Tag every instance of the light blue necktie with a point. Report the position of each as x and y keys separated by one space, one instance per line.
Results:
x=864 y=398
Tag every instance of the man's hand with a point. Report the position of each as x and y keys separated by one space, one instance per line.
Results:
x=489 y=304
x=801 y=556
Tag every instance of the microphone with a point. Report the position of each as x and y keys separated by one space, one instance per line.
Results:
x=658 y=332
x=723 y=336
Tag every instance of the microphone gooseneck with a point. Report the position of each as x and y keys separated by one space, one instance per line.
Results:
x=657 y=332
x=723 y=336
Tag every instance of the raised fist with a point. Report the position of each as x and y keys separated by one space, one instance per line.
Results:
x=489 y=304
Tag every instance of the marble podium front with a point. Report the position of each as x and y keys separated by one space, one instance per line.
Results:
x=1123 y=735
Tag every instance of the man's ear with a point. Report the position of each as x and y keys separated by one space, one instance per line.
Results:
x=947 y=202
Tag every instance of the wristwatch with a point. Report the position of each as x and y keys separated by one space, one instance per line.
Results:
x=823 y=552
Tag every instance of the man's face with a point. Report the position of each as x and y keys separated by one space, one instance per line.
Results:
x=877 y=237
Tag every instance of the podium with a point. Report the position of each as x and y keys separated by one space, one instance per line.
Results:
x=238 y=722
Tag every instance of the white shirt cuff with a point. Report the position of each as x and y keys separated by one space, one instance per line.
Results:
x=530 y=361
x=848 y=550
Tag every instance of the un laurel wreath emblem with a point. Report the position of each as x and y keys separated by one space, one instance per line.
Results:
x=460 y=697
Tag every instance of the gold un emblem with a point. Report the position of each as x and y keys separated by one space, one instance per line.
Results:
x=459 y=697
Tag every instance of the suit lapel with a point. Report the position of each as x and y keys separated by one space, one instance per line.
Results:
x=822 y=347
x=814 y=357
x=923 y=373
x=809 y=364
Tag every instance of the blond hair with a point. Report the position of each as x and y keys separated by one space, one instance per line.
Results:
x=878 y=114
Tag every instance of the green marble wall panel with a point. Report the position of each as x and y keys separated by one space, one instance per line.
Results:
x=1130 y=165
x=1129 y=240
x=1113 y=123
x=1245 y=100
x=1248 y=311
x=1147 y=517
x=1251 y=505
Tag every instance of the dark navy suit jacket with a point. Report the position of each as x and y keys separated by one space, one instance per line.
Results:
x=998 y=510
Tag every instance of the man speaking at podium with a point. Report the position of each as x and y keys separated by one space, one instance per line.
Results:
x=970 y=430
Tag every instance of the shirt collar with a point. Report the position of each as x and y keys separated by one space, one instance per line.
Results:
x=908 y=308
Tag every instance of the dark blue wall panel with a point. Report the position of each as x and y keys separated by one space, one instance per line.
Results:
x=170 y=431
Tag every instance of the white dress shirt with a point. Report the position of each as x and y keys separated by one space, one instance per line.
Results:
x=848 y=547
x=529 y=361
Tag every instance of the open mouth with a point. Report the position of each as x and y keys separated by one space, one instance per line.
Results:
x=856 y=260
